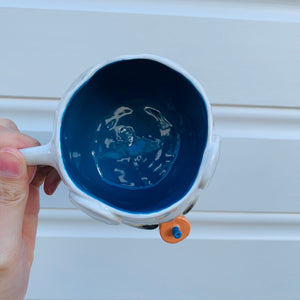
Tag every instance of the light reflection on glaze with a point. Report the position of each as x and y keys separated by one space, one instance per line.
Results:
x=127 y=158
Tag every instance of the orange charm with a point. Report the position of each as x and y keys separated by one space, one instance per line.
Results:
x=175 y=230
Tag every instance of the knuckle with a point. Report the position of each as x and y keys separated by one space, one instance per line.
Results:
x=12 y=193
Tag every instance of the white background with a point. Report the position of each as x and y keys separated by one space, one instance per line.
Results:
x=245 y=239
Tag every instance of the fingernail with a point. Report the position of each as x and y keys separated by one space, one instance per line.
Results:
x=9 y=164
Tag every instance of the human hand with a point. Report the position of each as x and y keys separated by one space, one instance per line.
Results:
x=19 y=207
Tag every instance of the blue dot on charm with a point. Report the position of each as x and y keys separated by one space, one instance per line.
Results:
x=176 y=232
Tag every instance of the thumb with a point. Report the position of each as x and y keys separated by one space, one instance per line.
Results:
x=14 y=190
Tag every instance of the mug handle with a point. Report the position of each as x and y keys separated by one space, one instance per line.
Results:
x=39 y=155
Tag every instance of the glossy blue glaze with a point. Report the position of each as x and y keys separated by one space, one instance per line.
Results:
x=133 y=136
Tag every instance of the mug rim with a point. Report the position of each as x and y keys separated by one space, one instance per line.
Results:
x=181 y=204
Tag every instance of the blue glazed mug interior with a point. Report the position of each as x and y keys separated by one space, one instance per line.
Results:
x=133 y=135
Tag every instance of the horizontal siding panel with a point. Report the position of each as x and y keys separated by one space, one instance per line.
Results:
x=226 y=256
x=255 y=175
x=59 y=223
x=238 y=61
x=143 y=269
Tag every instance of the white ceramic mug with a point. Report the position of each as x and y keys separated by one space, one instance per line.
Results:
x=133 y=141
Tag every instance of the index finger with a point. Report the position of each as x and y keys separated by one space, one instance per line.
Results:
x=7 y=123
x=12 y=137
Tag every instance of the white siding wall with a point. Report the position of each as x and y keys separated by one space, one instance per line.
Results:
x=245 y=239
